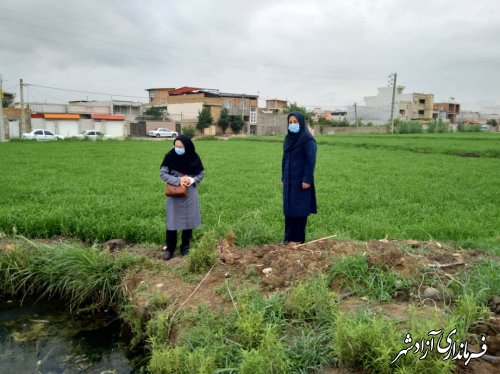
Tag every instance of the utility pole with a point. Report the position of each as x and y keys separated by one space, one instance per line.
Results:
x=2 y=123
x=23 y=114
x=394 y=75
x=356 y=116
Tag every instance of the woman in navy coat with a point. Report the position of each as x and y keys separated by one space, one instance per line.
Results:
x=297 y=178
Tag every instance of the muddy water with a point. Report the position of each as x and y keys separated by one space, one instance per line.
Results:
x=41 y=338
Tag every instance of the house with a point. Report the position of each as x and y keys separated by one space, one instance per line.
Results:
x=184 y=104
x=276 y=105
x=73 y=118
x=129 y=109
x=406 y=106
x=158 y=96
x=12 y=122
x=416 y=106
x=449 y=111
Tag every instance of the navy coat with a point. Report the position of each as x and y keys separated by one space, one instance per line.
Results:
x=297 y=166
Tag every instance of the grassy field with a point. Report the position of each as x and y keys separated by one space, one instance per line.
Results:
x=474 y=144
x=102 y=190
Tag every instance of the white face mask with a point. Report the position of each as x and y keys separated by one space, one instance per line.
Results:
x=294 y=127
x=180 y=151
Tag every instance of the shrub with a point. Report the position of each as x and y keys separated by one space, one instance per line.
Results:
x=407 y=127
x=468 y=128
x=437 y=126
x=190 y=131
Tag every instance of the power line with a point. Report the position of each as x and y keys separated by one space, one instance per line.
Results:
x=81 y=91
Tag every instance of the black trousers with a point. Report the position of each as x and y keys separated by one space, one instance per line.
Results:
x=295 y=229
x=172 y=239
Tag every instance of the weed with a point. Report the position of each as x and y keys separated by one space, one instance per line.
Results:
x=268 y=358
x=357 y=275
x=203 y=256
x=312 y=299
x=310 y=349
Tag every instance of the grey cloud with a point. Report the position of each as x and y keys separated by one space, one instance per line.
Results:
x=315 y=52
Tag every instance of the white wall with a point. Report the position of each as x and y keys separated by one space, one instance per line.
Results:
x=68 y=128
x=189 y=111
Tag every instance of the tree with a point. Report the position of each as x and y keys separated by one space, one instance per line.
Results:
x=153 y=111
x=224 y=120
x=323 y=122
x=293 y=107
x=492 y=122
x=204 y=119
x=236 y=124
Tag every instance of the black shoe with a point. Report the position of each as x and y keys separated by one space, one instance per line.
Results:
x=185 y=251
x=168 y=255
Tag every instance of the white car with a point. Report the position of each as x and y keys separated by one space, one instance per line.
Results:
x=41 y=134
x=93 y=135
x=162 y=133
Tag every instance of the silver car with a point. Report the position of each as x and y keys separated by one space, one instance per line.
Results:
x=41 y=135
x=162 y=133
x=93 y=135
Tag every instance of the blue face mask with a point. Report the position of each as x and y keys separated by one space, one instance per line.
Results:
x=294 y=127
x=180 y=151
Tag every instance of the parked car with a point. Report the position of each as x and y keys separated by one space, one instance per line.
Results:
x=93 y=135
x=162 y=133
x=41 y=134
x=485 y=128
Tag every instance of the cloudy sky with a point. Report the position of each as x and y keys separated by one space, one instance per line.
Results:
x=317 y=53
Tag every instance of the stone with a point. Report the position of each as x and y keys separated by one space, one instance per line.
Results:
x=267 y=270
x=115 y=244
x=432 y=293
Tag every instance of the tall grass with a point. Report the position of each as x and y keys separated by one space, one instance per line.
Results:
x=73 y=273
x=357 y=275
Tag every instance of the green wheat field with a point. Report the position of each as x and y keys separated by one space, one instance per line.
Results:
x=368 y=187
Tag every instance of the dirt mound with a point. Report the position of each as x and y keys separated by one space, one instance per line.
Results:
x=278 y=267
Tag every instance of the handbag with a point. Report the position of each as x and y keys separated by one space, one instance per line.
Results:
x=175 y=191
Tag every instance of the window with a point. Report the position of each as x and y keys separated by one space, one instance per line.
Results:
x=402 y=112
x=48 y=133
x=253 y=115
x=39 y=132
x=228 y=104
x=420 y=112
x=244 y=104
x=421 y=101
x=151 y=96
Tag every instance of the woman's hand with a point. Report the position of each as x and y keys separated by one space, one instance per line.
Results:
x=185 y=181
x=305 y=186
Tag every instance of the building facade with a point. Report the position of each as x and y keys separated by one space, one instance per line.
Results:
x=449 y=111
x=71 y=119
x=184 y=104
